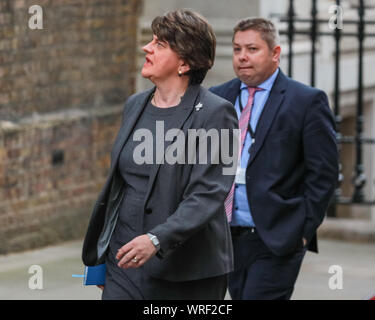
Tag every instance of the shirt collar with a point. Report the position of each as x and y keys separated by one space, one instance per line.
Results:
x=267 y=84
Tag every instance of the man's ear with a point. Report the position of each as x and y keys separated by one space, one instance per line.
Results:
x=276 y=52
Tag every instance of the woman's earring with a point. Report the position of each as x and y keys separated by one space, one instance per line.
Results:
x=179 y=73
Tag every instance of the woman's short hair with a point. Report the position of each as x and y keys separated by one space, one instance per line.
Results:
x=266 y=28
x=191 y=37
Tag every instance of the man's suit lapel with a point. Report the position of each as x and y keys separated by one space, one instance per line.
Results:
x=187 y=105
x=271 y=107
x=231 y=90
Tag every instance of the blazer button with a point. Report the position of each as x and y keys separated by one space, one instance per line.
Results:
x=148 y=210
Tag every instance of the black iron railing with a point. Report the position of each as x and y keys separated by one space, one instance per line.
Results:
x=337 y=34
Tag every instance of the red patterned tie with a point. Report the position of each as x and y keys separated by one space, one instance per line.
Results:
x=243 y=125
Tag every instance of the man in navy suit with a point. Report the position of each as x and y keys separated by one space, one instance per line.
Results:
x=288 y=169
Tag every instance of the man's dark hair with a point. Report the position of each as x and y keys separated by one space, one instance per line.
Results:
x=265 y=27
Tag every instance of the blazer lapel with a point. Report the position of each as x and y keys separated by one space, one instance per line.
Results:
x=271 y=107
x=128 y=125
x=187 y=105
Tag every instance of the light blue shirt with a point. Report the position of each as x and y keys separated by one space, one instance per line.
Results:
x=241 y=209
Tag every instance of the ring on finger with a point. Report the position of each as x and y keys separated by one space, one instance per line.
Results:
x=135 y=260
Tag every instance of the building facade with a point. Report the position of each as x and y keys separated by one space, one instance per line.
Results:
x=62 y=90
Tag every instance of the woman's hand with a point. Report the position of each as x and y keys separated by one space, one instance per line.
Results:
x=136 y=252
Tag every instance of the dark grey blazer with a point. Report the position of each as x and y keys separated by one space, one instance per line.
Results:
x=184 y=203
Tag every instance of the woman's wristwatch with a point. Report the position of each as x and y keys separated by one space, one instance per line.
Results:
x=155 y=241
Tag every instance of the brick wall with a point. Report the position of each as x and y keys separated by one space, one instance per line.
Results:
x=61 y=94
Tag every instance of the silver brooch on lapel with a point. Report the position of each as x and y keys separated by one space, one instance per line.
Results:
x=198 y=106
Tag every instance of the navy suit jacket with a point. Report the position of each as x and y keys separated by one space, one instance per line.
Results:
x=292 y=171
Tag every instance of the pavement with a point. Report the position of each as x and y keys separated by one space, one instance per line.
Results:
x=355 y=272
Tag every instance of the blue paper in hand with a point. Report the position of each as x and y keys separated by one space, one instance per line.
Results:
x=94 y=275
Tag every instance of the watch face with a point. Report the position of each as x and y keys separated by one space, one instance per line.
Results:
x=154 y=240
